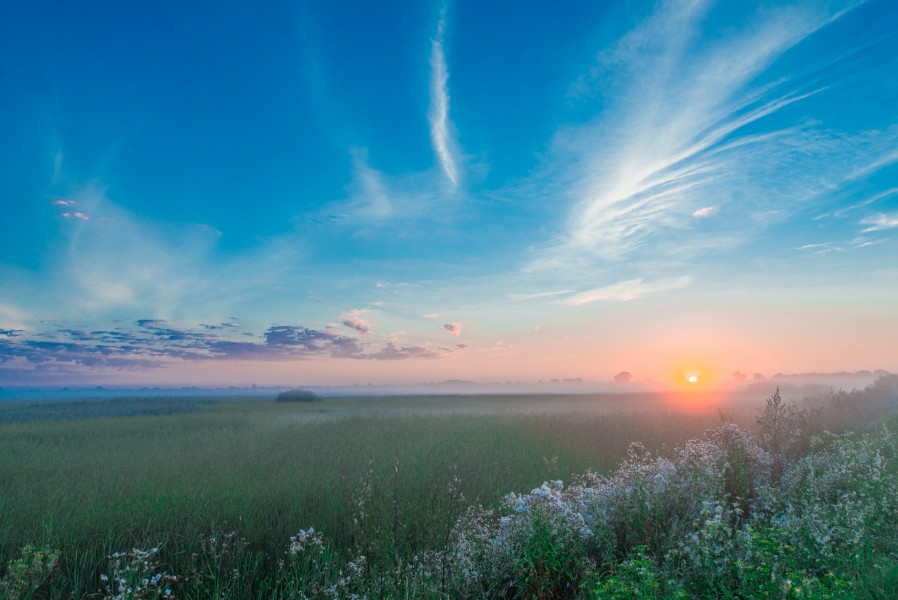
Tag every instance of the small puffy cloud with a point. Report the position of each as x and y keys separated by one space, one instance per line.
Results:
x=704 y=212
x=357 y=324
x=453 y=328
x=353 y=320
x=64 y=203
x=880 y=222
x=740 y=376
x=431 y=315
x=75 y=215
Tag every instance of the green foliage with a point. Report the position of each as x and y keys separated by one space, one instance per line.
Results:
x=636 y=578
x=18 y=411
x=779 y=429
x=298 y=396
x=27 y=574
x=549 y=559
x=211 y=504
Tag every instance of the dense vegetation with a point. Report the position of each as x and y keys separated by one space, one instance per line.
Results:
x=267 y=501
x=12 y=411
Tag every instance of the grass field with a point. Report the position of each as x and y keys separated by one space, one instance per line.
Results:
x=220 y=487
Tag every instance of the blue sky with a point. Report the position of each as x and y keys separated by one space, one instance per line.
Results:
x=336 y=192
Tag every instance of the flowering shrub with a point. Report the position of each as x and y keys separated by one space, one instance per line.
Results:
x=25 y=575
x=840 y=500
x=709 y=521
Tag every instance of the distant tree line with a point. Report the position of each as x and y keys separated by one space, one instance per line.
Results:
x=298 y=396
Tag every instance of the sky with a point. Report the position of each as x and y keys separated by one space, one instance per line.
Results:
x=328 y=193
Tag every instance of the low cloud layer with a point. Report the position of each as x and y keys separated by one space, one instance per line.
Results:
x=150 y=343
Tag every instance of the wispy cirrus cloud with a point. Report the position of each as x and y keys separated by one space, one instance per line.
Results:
x=819 y=246
x=378 y=200
x=690 y=126
x=440 y=135
x=880 y=222
x=842 y=211
x=12 y=318
x=523 y=297
x=627 y=290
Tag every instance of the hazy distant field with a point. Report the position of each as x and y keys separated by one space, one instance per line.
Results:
x=79 y=408
x=389 y=476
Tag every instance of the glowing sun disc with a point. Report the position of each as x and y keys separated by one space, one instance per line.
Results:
x=693 y=378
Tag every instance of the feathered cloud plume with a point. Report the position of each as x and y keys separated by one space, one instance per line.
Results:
x=439 y=104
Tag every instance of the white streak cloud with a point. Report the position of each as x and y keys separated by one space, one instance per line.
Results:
x=677 y=136
x=880 y=222
x=439 y=105
x=627 y=290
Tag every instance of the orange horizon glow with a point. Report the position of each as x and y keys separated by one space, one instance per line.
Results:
x=693 y=385
x=693 y=376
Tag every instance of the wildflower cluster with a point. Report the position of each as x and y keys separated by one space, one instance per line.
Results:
x=137 y=575
x=838 y=500
x=306 y=540
x=709 y=520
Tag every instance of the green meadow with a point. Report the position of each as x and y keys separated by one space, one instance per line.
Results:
x=397 y=497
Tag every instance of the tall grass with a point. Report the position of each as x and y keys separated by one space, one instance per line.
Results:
x=220 y=503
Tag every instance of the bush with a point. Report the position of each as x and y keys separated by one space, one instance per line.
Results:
x=298 y=396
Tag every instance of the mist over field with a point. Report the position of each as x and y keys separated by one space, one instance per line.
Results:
x=449 y=299
x=302 y=495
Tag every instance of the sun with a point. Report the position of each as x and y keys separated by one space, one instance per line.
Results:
x=691 y=377
x=693 y=386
